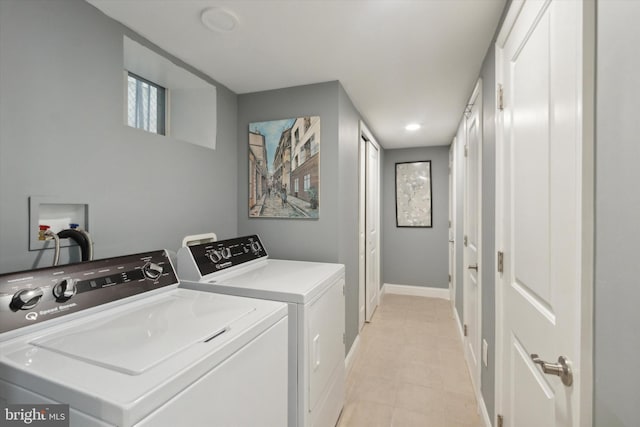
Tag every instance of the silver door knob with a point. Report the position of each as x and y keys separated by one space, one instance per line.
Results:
x=561 y=369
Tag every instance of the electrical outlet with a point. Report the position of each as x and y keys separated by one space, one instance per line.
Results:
x=485 y=352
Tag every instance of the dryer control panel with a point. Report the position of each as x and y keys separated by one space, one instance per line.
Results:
x=223 y=254
x=34 y=296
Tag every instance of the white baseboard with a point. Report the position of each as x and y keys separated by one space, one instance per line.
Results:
x=348 y=361
x=484 y=414
x=419 y=291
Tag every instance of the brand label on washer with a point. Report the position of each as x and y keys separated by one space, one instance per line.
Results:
x=57 y=309
x=35 y=415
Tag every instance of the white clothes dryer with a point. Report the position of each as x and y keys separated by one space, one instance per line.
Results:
x=118 y=342
x=314 y=293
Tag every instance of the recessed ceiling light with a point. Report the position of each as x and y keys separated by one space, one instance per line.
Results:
x=218 y=19
x=412 y=126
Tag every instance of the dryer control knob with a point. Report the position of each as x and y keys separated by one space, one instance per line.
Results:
x=255 y=246
x=226 y=253
x=214 y=256
x=152 y=271
x=65 y=289
x=26 y=299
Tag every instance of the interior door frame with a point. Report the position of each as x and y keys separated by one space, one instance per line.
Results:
x=476 y=98
x=362 y=152
x=365 y=137
x=586 y=128
x=500 y=358
x=452 y=219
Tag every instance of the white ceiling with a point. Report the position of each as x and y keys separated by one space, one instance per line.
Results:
x=400 y=61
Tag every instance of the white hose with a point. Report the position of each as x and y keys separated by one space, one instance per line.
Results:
x=56 y=239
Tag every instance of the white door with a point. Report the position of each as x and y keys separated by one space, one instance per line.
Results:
x=544 y=225
x=369 y=225
x=372 y=224
x=472 y=227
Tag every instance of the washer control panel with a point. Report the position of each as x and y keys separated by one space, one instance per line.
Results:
x=223 y=254
x=35 y=296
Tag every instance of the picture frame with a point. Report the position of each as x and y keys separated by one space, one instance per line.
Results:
x=284 y=168
x=413 y=194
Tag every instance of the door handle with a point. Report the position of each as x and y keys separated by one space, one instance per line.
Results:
x=561 y=369
x=451 y=241
x=473 y=267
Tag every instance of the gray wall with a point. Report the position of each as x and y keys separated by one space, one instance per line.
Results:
x=349 y=135
x=417 y=256
x=312 y=239
x=62 y=134
x=332 y=237
x=617 y=290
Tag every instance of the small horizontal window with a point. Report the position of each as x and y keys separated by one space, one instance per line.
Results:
x=146 y=104
x=165 y=98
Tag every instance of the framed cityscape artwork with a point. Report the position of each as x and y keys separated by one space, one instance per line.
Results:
x=284 y=168
x=413 y=194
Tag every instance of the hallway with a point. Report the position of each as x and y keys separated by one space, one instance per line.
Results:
x=410 y=369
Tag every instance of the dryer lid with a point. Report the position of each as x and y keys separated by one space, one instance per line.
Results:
x=279 y=280
x=135 y=340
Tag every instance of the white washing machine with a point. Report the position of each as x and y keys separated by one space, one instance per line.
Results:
x=314 y=293
x=118 y=342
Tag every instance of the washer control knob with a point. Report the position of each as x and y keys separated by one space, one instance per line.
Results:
x=214 y=256
x=26 y=299
x=152 y=271
x=226 y=253
x=65 y=289
x=255 y=246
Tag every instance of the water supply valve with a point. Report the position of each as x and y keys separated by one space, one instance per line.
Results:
x=42 y=232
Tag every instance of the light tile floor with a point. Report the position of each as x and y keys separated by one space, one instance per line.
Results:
x=409 y=369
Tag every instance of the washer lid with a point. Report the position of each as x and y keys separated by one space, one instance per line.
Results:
x=134 y=341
